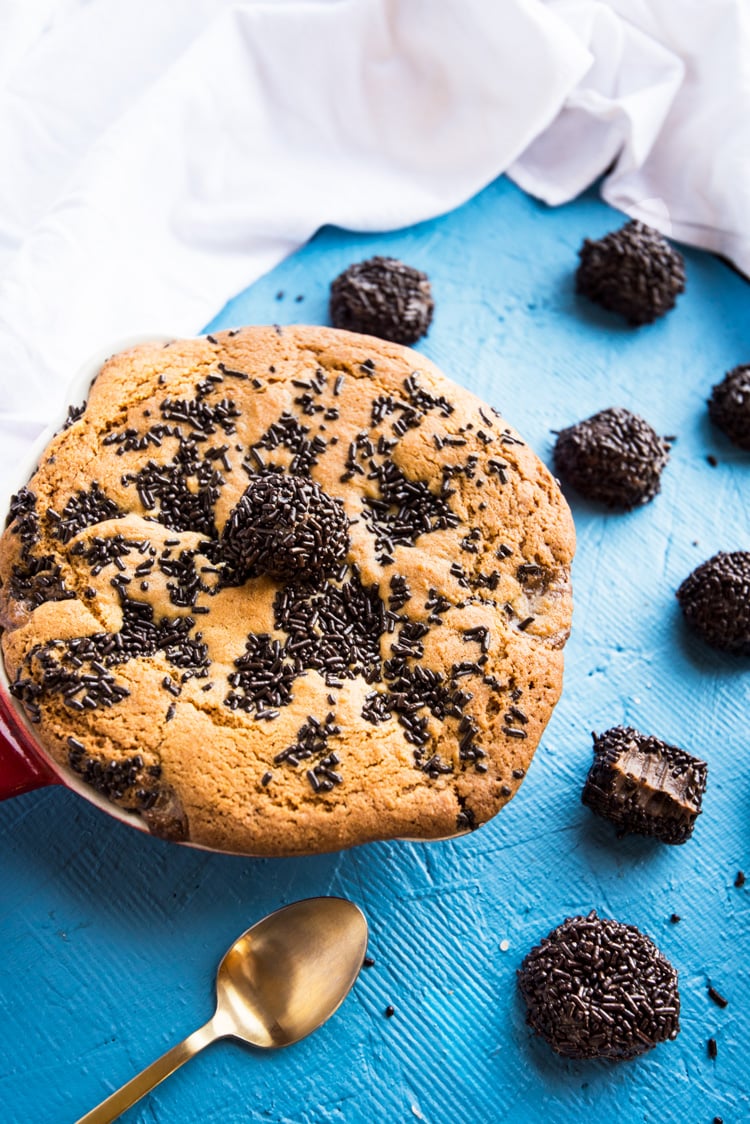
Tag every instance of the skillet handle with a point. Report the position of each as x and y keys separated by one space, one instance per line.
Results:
x=22 y=768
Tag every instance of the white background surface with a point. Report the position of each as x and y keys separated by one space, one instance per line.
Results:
x=161 y=154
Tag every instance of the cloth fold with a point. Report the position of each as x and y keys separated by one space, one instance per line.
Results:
x=161 y=155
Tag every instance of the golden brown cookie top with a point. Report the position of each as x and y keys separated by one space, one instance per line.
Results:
x=286 y=590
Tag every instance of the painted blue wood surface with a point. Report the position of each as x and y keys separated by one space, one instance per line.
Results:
x=110 y=939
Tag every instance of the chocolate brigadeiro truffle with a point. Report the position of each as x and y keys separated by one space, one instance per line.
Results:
x=614 y=457
x=382 y=297
x=715 y=599
x=633 y=271
x=729 y=406
x=596 y=988
x=285 y=526
x=644 y=786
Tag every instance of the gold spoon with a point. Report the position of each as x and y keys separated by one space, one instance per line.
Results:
x=279 y=981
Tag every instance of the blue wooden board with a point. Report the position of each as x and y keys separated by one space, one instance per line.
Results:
x=110 y=939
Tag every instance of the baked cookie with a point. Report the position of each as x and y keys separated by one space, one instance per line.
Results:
x=281 y=591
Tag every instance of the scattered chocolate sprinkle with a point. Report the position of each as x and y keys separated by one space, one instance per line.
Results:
x=715 y=599
x=263 y=680
x=729 y=406
x=114 y=779
x=291 y=434
x=632 y=271
x=266 y=779
x=74 y=414
x=645 y=786
x=739 y=880
x=368 y=962
x=232 y=374
x=614 y=457
x=712 y=460
x=185 y=488
x=718 y=999
x=171 y=712
x=382 y=297
x=712 y=1049
x=85 y=509
x=596 y=988
x=404 y=508
x=390 y=1011
x=675 y=918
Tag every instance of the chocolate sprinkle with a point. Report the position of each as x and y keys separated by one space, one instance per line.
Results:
x=718 y=999
x=614 y=457
x=712 y=1049
x=632 y=271
x=729 y=406
x=715 y=599
x=645 y=786
x=85 y=509
x=382 y=297
x=597 y=988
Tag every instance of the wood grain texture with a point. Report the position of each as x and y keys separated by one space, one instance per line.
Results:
x=111 y=939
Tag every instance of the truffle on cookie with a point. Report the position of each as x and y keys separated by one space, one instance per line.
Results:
x=645 y=786
x=729 y=406
x=614 y=457
x=285 y=526
x=596 y=988
x=715 y=599
x=383 y=297
x=633 y=271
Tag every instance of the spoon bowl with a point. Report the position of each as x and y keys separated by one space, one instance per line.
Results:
x=288 y=974
x=277 y=983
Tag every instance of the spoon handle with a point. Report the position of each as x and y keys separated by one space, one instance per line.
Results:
x=152 y=1075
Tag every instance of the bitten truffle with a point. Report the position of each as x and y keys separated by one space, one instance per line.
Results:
x=383 y=297
x=644 y=786
x=614 y=457
x=597 y=988
x=715 y=599
x=633 y=271
x=729 y=406
x=285 y=526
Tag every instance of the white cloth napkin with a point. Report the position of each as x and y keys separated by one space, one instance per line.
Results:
x=159 y=155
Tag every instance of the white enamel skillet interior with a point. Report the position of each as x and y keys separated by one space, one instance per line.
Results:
x=24 y=764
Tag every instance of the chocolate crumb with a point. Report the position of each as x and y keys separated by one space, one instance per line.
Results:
x=675 y=918
x=368 y=962
x=739 y=880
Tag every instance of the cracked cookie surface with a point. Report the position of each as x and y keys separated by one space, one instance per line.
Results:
x=399 y=691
